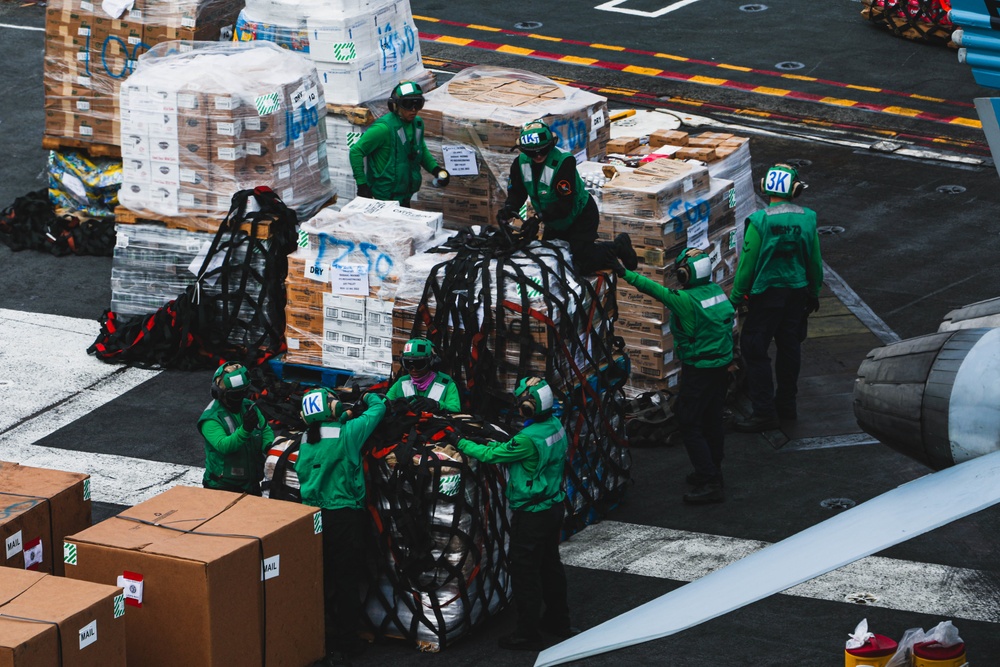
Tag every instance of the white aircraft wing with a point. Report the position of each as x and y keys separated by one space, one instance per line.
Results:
x=905 y=512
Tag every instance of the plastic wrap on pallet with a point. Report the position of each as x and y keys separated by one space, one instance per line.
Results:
x=442 y=565
x=472 y=124
x=342 y=281
x=89 y=52
x=361 y=51
x=201 y=124
x=153 y=264
x=85 y=185
x=526 y=312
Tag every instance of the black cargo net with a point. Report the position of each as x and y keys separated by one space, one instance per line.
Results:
x=439 y=552
x=921 y=20
x=31 y=223
x=504 y=309
x=234 y=311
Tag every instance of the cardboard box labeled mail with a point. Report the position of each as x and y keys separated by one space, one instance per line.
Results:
x=43 y=506
x=212 y=579
x=48 y=621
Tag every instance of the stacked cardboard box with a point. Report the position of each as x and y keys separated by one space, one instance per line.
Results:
x=201 y=125
x=519 y=349
x=211 y=578
x=361 y=49
x=472 y=124
x=39 y=508
x=665 y=206
x=342 y=282
x=89 y=53
x=48 y=621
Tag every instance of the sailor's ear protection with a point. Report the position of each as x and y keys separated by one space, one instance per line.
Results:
x=683 y=270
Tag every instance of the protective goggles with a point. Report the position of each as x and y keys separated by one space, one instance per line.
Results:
x=411 y=103
x=532 y=151
x=418 y=364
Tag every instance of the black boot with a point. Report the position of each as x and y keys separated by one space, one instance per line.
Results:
x=705 y=494
x=757 y=424
x=625 y=252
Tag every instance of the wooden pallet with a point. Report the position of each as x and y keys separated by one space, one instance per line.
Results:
x=95 y=150
x=208 y=224
x=356 y=115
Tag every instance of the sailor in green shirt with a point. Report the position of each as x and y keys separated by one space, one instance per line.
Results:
x=778 y=280
x=331 y=477
x=236 y=434
x=537 y=459
x=701 y=321
x=427 y=389
x=386 y=160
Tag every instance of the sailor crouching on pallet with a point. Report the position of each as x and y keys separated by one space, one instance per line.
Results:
x=426 y=388
x=549 y=178
x=537 y=458
x=701 y=321
x=236 y=434
x=331 y=477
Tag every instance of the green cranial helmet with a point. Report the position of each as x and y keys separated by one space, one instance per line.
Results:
x=408 y=95
x=417 y=355
x=782 y=180
x=536 y=138
x=534 y=398
x=693 y=267
x=230 y=385
x=319 y=405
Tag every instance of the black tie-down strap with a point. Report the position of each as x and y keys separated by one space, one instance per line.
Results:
x=440 y=531
x=235 y=310
x=30 y=223
x=506 y=308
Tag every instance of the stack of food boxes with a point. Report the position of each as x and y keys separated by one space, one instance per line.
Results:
x=89 y=52
x=200 y=125
x=472 y=124
x=210 y=578
x=342 y=282
x=665 y=205
x=361 y=49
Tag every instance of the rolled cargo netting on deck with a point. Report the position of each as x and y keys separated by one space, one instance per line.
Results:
x=921 y=20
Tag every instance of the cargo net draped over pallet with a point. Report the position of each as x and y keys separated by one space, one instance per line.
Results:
x=495 y=311
x=235 y=310
x=921 y=20
x=441 y=525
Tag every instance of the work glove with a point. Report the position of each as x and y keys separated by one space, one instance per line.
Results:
x=451 y=437
x=424 y=404
x=251 y=418
x=505 y=215
x=742 y=306
x=441 y=179
x=365 y=191
x=812 y=305
x=530 y=227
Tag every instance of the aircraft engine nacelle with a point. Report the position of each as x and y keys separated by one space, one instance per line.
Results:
x=934 y=398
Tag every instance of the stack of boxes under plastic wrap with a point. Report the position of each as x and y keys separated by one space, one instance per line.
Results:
x=342 y=284
x=199 y=126
x=361 y=50
x=665 y=205
x=472 y=124
x=89 y=52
